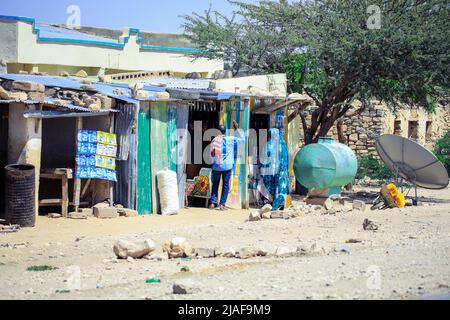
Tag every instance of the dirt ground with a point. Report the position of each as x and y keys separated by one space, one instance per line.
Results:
x=407 y=258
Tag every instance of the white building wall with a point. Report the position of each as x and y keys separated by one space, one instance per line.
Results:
x=129 y=58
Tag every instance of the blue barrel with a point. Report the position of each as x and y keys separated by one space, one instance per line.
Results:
x=326 y=164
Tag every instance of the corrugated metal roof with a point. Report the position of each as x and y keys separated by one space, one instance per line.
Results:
x=180 y=83
x=54 y=102
x=113 y=90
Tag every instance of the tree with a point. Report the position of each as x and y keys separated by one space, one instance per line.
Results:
x=336 y=51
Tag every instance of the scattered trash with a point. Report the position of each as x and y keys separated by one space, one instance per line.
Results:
x=343 y=248
x=185 y=269
x=54 y=215
x=62 y=291
x=369 y=225
x=186 y=259
x=41 y=268
x=153 y=280
x=9 y=229
x=389 y=197
x=353 y=241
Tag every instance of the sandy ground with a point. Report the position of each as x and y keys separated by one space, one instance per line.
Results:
x=407 y=258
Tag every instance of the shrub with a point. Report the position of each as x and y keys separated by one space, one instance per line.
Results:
x=368 y=166
x=442 y=150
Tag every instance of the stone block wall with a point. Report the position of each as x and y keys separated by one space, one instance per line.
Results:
x=361 y=129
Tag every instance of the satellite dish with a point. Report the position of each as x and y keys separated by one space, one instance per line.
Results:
x=412 y=162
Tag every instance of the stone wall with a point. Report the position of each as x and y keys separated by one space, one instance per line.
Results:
x=361 y=129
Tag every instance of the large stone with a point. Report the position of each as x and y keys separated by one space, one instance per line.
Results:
x=163 y=95
x=226 y=253
x=246 y=253
x=4 y=95
x=36 y=96
x=28 y=86
x=128 y=213
x=18 y=96
x=106 y=102
x=254 y=216
x=204 y=253
x=186 y=286
x=106 y=213
x=81 y=74
x=64 y=74
x=136 y=250
x=251 y=252
x=178 y=248
x=283 y=252
x=95 y=107
x=141 y=94
x=78 y=215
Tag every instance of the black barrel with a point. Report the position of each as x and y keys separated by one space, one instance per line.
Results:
x=20 y=195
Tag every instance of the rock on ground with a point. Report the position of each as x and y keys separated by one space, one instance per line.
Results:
x=136 y=250
x=266 y=208
x=186 y=286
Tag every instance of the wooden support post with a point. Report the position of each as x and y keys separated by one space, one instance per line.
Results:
x=65 y=196
x=111 y=188
x=77 y=181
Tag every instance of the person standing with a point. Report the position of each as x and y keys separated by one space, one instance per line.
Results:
x=223 y=154
x=274 y=170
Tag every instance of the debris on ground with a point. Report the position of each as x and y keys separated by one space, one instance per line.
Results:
x=106 y=212
x=254 y=216
x=125 y=249
x=54 y=215
x=9 y=228
x=185 y=269
x=153 y=280
x=186 y=286
x=78 y=215
x=343 y=248
x=369 y=225
x=266 y=208
x=359 y=205
x=354 y=241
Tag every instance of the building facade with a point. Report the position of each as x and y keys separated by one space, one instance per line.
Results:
x=52 y=49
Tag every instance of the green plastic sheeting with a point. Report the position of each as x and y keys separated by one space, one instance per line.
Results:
x=144 y=181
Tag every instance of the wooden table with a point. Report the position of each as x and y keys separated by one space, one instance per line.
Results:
x=64 y=175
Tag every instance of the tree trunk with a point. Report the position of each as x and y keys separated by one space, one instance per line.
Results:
x=340 y=131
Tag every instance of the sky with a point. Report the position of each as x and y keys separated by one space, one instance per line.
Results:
x=148 y=15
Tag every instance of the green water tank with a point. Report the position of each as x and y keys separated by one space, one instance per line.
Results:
x=326 y=164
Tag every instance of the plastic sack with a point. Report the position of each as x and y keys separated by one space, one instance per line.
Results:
x=168 y=192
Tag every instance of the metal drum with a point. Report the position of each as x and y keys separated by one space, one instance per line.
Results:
x=326 y=164
x=20 y=195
